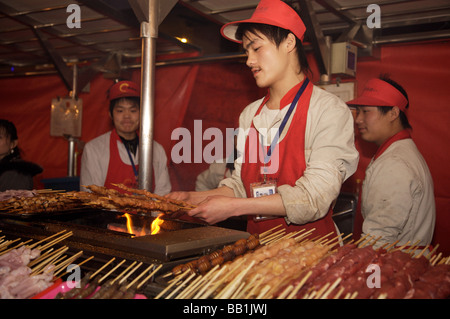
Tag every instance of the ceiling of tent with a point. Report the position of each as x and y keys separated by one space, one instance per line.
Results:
x=35 y=37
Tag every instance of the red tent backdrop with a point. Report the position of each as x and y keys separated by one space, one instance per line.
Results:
x=215 y=93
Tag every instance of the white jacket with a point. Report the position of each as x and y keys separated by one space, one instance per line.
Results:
x=397 y=199
x=330 y=155
x=95 y=161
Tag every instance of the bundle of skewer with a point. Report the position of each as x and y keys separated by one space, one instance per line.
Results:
x=288 y=266
x=39 y=203
x=42 y=258
x=28 y=268
x=133 y=200
x=96 y=286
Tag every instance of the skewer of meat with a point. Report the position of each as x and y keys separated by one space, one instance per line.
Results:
x=76 y=290
x=150 y=195
x=89 y=289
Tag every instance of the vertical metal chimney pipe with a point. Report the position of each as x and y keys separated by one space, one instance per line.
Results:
x=149 y=33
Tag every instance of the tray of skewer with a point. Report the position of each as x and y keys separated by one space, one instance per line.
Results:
x=37 y=270
x=294 y=266
x=58 y=202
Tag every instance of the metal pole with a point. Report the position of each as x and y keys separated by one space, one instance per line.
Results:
x=71 y=162
x=149 y=33
x=70 y=139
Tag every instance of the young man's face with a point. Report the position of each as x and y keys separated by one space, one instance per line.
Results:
x=125 y=116
x=267 y=62
x=373 y=125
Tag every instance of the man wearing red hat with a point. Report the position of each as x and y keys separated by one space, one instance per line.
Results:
x=397 y=200
x=297 y=143
x=112 y=158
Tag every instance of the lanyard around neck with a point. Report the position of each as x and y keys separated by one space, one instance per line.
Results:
x=131 y=159
x=283 y=123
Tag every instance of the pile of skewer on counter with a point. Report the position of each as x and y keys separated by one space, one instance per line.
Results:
x=27 y=269
x=291 y=266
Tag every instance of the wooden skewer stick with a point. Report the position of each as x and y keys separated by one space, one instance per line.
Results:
x=402 y=247
x=262 y=235
x=81 y=263
x=131 y=272
x=389 y=247
x=101 y=268
x=432 y=252
x=285 y=292
x=304 y=235
x=46 y=238
x=339 y=293
x=217 y=274
x=332 y=287
x=64 y=264
x=422 y=252
x=172 y=284
x=255 y=287
x=149 y=276
x=230 y=288
x=123 y=272
x=192 y=288
x=180 y=286
x=55 y=241
x=361 y=239
x=17 y=246
x=363 y=244
x=49 y=259
x=270 y=237
x=412 y=246
x=435 y=258
x=111 y=271
x=140 y=275
x=299 y=286
x=41 y=257
x=6 y=244
x=238 y=291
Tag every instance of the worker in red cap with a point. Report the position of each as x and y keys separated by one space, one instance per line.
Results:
x=113 y=158
x=297 y=143
x=397 y=199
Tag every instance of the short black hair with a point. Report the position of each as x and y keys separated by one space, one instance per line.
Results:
x=132 y=99
x=9 y=129
x=277 y=35
x=384 y=109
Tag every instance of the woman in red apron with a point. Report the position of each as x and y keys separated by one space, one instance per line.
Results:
x=265 y=183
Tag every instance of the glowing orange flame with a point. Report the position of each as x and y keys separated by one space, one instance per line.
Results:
x=131 y=229
x=156 y=225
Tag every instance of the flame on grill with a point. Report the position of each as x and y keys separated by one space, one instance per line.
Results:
x=156 y=225
x=142 y=231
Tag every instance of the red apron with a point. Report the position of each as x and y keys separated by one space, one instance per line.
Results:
x=118 y=171
x=291 y=155
x=357 y=225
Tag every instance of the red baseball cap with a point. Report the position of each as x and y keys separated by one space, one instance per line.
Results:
x=272 y=12
x=124 y=89
x=380 y=93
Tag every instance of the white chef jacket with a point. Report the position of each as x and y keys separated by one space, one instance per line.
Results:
x=330 y=155
x=211 y=177
x=397 y=199
x=95 y=162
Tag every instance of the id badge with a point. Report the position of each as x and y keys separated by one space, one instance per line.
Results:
x=260 y=189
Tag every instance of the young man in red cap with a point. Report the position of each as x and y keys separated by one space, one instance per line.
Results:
x=297 y=142
x=397 y=200
x=113 y=157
